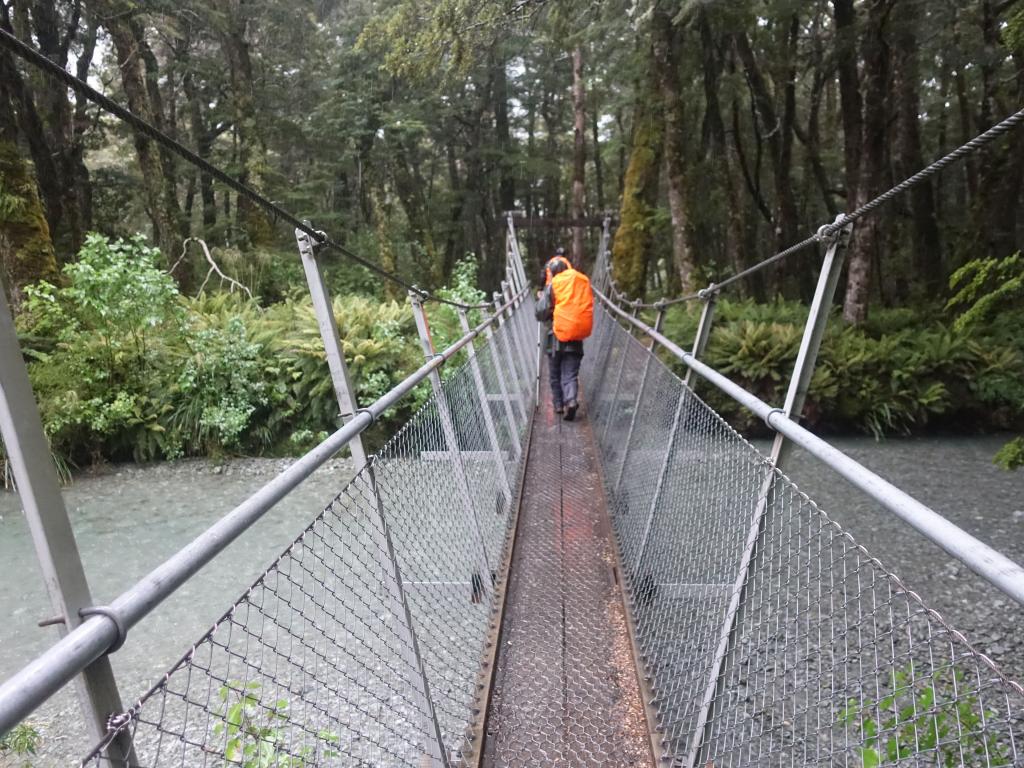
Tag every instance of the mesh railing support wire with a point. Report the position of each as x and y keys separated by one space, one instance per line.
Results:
x=362 y=643
x=831 y=659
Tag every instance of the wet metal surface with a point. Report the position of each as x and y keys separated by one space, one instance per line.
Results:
x=565 y=691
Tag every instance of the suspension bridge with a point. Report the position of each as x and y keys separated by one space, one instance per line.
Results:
x=499 y=587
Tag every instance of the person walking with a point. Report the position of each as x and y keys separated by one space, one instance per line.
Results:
x=567 y=303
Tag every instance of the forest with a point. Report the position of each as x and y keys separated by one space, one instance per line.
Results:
x=163 y=314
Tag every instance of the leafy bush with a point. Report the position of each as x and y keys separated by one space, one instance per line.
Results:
x=98 y=344
x=922 y=716
x=904 y=372
x=256 y=733
x=125 y=367
x=22 y=741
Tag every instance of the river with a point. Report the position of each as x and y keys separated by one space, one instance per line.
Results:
x=129 y=519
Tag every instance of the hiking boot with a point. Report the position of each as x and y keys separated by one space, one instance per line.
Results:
x=559 y=410
x=570 y=410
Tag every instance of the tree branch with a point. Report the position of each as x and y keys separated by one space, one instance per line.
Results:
x=214 y=268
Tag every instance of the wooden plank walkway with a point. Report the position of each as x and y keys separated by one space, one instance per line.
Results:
x=565 y=688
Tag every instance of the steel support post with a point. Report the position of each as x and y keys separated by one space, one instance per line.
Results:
x=324 y=310
x=658 y=321
x=666 y=461
x=604 y=351
x=707 y=315
x=618 y=378
x=516 y=252
x=451 y=438
x=516 y=328
x=348 y=405
x=615 y=391
x=700 y=342
x=506 y=348
x=512 y=278
x=540 y=365
x=803 y=370
x=512 y=289
x=485 y=404
x=35 y=476
x=506 y=401
x=435 y=753
x=603 y=267
x=519 y=318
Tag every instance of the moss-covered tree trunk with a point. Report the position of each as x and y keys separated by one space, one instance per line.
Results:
x=26 y=250
x=382 y=219
x=640 y=189
x=666 y=53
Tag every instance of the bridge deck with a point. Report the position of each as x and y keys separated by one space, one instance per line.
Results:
x=565 y=688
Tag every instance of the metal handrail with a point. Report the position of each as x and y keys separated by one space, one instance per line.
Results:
x=991 y=565
x=21 y=694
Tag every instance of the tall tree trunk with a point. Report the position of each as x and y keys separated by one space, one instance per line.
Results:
x=665 y=50
x=411 y=188
x=507 y=182
x=62 y=130
x=630 y=251
x=456 y=232
x=382 y=217
x=999 y=163
x=251 y=147
x=203 y=137
x=621 y=176
x=595 y=140
x=552 y=182
x=127 y=36
x=872 y=156
x=26 y=250
x=926 y=247
x=579 y=152
x=851 y=104
x=715 y=145
x=779 y=136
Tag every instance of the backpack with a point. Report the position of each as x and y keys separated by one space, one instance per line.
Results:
x=574 y=306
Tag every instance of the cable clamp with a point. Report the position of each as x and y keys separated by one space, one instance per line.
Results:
x=829 y=232
x=706 y=294
x=368 y=412
x=115 y=722
x=110 y=613
x=768 y=417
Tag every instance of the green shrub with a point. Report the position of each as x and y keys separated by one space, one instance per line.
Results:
x=22 y=741
x=930 y=718
x=256 y=733
x=124 y=367
x=905 y=371
x=101 y=342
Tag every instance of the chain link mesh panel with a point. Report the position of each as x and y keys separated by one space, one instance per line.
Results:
x=363 y=641
x=830 y=659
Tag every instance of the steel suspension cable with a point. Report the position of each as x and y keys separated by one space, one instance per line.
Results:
x=829 y=230
x=38 y=60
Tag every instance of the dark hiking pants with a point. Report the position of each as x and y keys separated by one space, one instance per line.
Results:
x=564 y=372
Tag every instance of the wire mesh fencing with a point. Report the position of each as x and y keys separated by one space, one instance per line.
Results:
x=767 y=634
x=361 y=645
